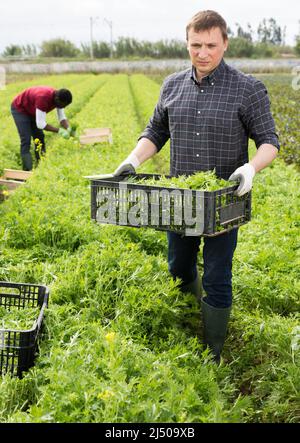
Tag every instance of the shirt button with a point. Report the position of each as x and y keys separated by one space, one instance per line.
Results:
x=198 y=133
x=202 y=90
x=197 y=155
x=199 y=112
x=212 y=83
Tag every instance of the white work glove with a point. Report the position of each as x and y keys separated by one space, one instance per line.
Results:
x=128 y=166
x=244 y=174
x=63 y=133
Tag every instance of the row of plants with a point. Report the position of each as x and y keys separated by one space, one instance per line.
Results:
x=122 y=343
x=285 y=97
x=145 y=93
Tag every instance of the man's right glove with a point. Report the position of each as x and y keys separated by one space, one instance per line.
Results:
x=64 y=133
x=128 y=166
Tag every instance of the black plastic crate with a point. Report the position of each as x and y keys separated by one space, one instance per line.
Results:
x=19 y=348
x=188 y=212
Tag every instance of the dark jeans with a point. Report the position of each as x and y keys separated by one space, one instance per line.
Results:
x=27 y=128
x=217 y=257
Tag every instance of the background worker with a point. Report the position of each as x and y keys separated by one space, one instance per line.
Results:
x=29 y=110
x=209 y=112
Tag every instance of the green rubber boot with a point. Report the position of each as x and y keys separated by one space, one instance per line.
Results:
x=194 y=287
x=27 y=162
x=215 y=321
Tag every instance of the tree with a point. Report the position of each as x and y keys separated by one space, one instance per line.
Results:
x=12 y=50
x=297 y=47
x=270 y=32
x=29 y=50
x=58 y=48
x=247 y=35
x=100 y=49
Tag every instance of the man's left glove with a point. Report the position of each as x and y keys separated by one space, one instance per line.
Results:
x=244 y=174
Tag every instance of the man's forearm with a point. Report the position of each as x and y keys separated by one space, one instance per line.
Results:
x=144 y=150
x=50 y=128
x=265 y=154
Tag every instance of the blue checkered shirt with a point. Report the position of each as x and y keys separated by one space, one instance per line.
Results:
x=209 y=123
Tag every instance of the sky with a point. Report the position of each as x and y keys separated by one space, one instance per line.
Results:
x=33 y=21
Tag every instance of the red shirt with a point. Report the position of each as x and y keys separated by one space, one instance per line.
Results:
x=37 y=97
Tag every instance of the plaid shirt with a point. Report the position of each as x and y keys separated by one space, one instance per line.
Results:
x=209 y=123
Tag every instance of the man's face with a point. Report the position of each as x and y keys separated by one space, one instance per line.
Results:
x=206 y=49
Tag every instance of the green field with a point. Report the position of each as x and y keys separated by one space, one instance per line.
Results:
x=121 y=343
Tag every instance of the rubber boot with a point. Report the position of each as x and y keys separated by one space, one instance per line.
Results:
x=215 y=321
x=27 y=162
x=194 y=287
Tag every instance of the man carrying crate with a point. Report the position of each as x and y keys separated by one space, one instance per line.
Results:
x=29 y=110
x=209 y=112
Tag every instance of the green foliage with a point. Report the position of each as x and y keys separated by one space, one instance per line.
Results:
x=240 y=47
x=264 y=50
x=297 y=47
x=100 y=49
x=267 y=357
x=285 y=109
x=58 y=47
x=126 y=46
x=12 y=50
x=18 y=319
x=18 y=50
x=206 y=181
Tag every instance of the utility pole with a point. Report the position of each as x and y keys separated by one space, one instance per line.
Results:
x=110 y=24
x=92 y=22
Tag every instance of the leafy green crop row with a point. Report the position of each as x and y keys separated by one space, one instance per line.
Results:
x=285 y=107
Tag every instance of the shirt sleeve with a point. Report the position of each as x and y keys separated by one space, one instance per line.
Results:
x=61 y=114
x=258 y=118
x=40 y=118
x=157 y=129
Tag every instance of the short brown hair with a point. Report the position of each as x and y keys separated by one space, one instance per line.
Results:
x=206 y=20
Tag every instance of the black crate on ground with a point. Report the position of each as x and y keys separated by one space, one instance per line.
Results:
x=18 y=348
x=118 y=201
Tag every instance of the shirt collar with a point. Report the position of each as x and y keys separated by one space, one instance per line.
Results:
x=213 y=76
